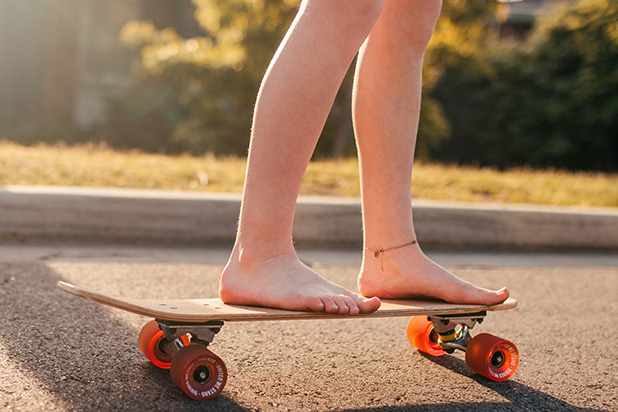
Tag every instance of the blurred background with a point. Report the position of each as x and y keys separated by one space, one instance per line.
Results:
x=506 y=84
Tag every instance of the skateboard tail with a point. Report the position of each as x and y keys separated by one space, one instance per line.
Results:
x=118 y=303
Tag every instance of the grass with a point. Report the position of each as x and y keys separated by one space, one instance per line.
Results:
x=99 y=166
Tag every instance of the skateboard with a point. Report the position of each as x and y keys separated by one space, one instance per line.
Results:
x=178 y=337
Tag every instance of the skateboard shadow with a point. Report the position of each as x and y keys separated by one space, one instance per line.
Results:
x=60 y=352
x=520 y=396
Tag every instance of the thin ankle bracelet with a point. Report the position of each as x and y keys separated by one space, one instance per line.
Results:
x=379 y=253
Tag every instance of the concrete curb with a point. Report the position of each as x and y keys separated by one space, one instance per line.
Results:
x=37 y=213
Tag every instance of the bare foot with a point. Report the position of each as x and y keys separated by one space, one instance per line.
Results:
x=286 y=283
x=409 y=273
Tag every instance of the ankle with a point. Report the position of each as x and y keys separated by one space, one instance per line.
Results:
x=248 y=255
x=380 y=253
x=385 y=241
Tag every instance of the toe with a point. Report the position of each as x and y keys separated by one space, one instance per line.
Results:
x=482 y=296
x=352 y=306
x=502 y=295
x=491 y=297
x=314 y=304
x=341 y=305
x=368 y=305
x=329 y=305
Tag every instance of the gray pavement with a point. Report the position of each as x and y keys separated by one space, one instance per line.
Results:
x=61 y=353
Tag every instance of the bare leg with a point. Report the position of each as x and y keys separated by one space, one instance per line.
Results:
x=386 y=112
x=296 y=95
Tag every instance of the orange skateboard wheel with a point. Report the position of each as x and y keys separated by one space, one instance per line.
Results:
x=492 y=357
x=422 y=336
x=198 y=372
x=150 y=339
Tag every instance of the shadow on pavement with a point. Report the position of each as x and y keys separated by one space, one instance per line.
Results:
x=73 y=355
x=447 y=407
x=521 y=397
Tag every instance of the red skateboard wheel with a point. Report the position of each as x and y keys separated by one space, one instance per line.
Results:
x=492 y=357
x=198 y=372
x=150 y=339
x=422 y=336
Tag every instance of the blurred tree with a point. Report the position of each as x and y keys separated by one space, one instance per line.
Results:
x=218 y=75
x=463 y=36
x=553 y=103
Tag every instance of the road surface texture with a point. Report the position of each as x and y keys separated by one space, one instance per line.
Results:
x=61 y=353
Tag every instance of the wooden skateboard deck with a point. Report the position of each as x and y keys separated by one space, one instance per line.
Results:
x=204 y=310
x=179 y=337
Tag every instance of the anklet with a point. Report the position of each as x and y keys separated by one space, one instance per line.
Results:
x=380 y=252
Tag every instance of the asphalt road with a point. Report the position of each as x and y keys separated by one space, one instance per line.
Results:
x=61 y=353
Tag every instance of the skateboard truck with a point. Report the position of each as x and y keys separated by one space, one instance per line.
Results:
x=176 y=332
x=454 y=330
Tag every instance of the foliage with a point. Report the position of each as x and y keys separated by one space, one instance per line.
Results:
x=548 y=104
x=462 y=35
x=219 y=74
x=551 y=104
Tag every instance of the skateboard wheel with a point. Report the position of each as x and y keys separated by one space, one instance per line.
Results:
x=422 y=336
x=492 y=357
x=198 y=372
x=150 y=340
